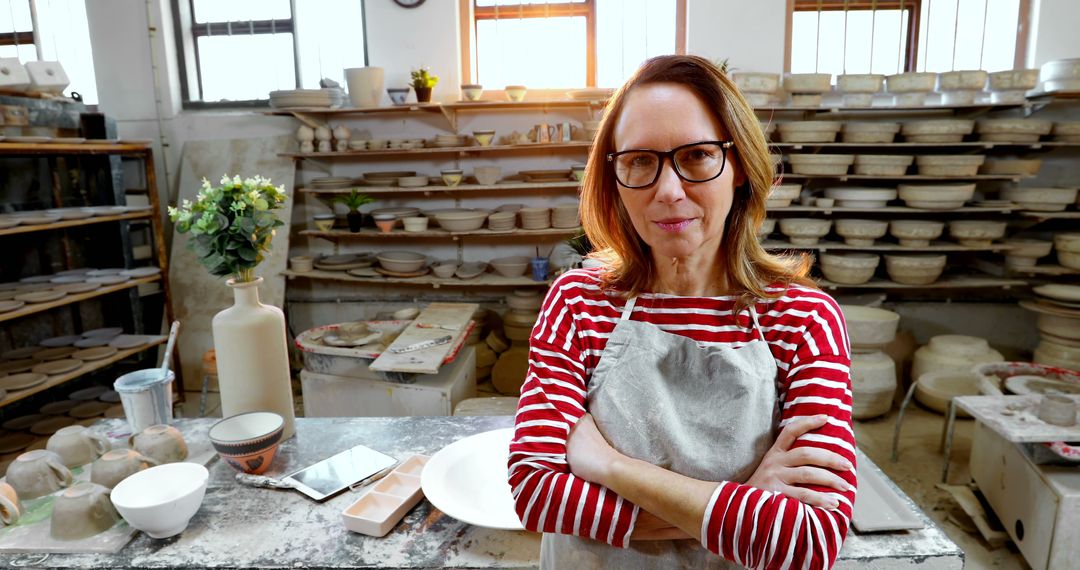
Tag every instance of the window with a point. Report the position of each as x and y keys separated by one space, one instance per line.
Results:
x=572 y=43
x=62 y=35
x=241 y=50
x=888 y=36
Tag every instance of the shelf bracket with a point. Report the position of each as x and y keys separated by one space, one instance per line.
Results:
x=310 y=120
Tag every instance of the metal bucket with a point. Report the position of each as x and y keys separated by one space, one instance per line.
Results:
x=146 y=396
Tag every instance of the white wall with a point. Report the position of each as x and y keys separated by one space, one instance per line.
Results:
x=1053 y=31
x=750 y=35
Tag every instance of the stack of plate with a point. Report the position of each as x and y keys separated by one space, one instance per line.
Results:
x=565 y=216
x=1057 y=310
x=592 y=94
x=503 y=221
x=344 y=262
x=331 y=182
x=545 y=175
x=386 y=178
x=332 y=97
x=535 y=218
x=447 y=141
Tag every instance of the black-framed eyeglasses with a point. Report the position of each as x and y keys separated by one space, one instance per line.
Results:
x=694 y=162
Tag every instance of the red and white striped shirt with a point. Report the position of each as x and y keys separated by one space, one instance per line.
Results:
x=805 y=331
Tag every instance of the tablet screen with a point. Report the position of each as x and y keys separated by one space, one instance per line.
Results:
x=351 y=466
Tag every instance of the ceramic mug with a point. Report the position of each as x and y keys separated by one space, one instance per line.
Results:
x=10 y=507
x=162 y=443
x=117 y=465
x=77 y=445
x=37 y=473
x=82 y=511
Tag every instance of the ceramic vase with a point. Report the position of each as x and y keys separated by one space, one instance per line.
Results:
x=365 y=85
x=252 y=356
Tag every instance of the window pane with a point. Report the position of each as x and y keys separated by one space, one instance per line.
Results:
x=15 y=17
x=241 y=10
x=627 y=33
x=331 y=35
x=65 y=37
x=536 y=52
x=875 y=42
x=239 y=68
x=25 y=52
x=973 y=50
x=501 y=3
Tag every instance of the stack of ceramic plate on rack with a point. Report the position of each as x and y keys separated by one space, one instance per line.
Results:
x=330 y=98
x=1057 y=314
x=448 y=141
x=345 y=262
x=331 y=183
x=386 y=178
x=535 y=218
x=503 y=221
x=565 y=216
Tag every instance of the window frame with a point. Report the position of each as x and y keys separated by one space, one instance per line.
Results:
x=16 y=38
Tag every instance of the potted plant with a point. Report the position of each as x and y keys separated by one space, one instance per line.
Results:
x=353 y=200
x=232 y=226
x=422 y=83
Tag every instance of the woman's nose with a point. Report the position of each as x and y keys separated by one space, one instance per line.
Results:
x=669 y=187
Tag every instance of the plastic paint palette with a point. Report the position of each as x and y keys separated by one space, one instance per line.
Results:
x=384 y=505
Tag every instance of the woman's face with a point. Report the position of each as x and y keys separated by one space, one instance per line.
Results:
x=676 y=218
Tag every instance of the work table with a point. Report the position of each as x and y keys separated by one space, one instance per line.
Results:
x=244 y=527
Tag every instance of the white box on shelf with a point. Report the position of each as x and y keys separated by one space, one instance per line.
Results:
x=47 y=76
x=13 y=76
x=327 y=395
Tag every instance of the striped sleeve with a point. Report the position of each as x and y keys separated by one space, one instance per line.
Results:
x=547 y=496
x=760 y=529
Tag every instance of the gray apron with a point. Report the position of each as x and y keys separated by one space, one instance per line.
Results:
x=707 y=412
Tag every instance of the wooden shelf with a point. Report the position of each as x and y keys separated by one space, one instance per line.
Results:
x=86 y=368
x=938 y=246
x=354 y=154
x=485 y=280
x=335 y=235
x=1049 y=270
x=23 y=229
x=441 y=107
x=9 y=148
x=945 y=282
x=888 y=210
x=980 y=145
x=440 y=188
x=31 y=308
x=1075 y=215
x=886 y=109
x=845 y=177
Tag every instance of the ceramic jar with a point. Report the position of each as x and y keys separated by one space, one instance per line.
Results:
x=952 y=353
x=873 y=384
x=365 y=85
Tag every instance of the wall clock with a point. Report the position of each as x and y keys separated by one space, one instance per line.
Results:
x=408 y=3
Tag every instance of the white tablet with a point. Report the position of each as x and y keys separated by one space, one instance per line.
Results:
x=335 y=474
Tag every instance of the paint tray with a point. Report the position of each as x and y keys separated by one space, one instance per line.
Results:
x=382 y=507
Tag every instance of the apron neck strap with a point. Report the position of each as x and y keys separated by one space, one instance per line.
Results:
x=628 y=308
x=754 y=317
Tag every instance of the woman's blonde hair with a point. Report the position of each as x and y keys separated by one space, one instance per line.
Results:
x=748 y=267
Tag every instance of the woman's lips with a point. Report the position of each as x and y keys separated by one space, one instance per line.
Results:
x=674 y=225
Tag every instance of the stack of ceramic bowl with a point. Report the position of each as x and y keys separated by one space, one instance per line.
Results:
x=1057 y=314
x=882 y=164
x=821 y=164
x=565 y=216
x=535 y=218
x=330 y=97
x=915 y=233
x=809 y=131
x=782 y=195
x=976 y=233
x=1025 y=252
x=915 y=269
x=504 y=221
x=949 y=164
x=519 y=320
x=806 y=89
x=757 y=88
x=1040 y=199
x=936 y=196
x=449 y=141
x=804 y=231
x=869 y=132
x=943 y=368
x=873 y=373
x=859 y=89
x=1060 y=75
x=1011 y=166
x=1068 y=131
x=1068 y=249
x=861 y=233
x=910 y=89
x=859 y=197
x=1013 y=130
x=961 y=87
x=848 y=268
x=1011 y=87
x=937 y=131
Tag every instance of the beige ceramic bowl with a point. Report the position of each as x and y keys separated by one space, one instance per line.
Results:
x=949 y=164
x=882 y=164
x=869 y=132
x=937 y=130
x=861 y=232
x=757 y=82
x=809 y=131
x=401 y=261
x=461 y=221
x=1014 y=79
x=869 y=327
x=487 y=175
x=916 y=233
x=856 y=197
x=804 y=231
x=849 y=268
x=807 y=82
x=1011 y=167
x=513 y=266
x=860 y=82
x=915 y=269
x=966 y=80
x=910 y=82
x=444 y=269
x=1040 y=199
x=821 y=164
x=302 y=263
x=936 y=196
x=976 y=233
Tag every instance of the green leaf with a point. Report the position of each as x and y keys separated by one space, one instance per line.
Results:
x=247 y=253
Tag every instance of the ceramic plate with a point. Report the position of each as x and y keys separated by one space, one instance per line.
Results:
x=345 y=266
x=109 y=332
x=38 y=220
x=11 y=139
x=878 y=507
x=69 y=140
x=58 y=408
x=115 y=411
x=90 y=393
x=96 y=353
x=108 y=279
x=35 y=287
x=35 y=279
x=17 y=366
x=89 y=410
x=55 y=353
x=132 y=340
x=74 y=288
x=40 y=296
x=72 y=214
x=110 y=396
x=93 y=341
x=56 y=367
x=22 y=422
x=467 y=480
x=13 y=286
x=19 y=353
x=103 y=272
x=21 y=381
x=141 y=272
x=9 y=295
x=10 y=305
x=51 y=425
x=1059 y=292
x=1023 y=385
x=64 y=279
x=82 y=271
x=15 y=442
x=5 y=224
x=55 y=341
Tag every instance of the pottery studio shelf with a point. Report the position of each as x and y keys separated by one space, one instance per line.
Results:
x=87 y=367
x=316 y=115
x=23 y=229
x=463 y=188
x=1075 y=215
x=905 y=177
x=31 y=308
x=1046 y=270
x=112 y=147
x=887 y=210
x=366 y=234
x=575 y=146
x=945 y=282
x=977 y=145
x=486 y=280
x=937 y=246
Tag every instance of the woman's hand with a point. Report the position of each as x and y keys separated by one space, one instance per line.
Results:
x=651 y=527
x=783 y=468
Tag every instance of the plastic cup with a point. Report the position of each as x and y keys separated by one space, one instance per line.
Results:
x=539 y=268
x=146 y=396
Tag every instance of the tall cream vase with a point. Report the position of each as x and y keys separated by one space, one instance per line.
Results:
x=252 y=356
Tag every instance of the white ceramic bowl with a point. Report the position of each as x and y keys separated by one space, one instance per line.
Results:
x=804 y=231
x=821 y=164
x=401 y=261
x=513 y=266
x=882 y=164
x=916 y=233
x=915 y=269
x=861 y=232
x=461 y=221
x=487 y=175
x=415 y=223
x=160 y=501
x=444 y=269
x=869 y=132
x=856 y=197
x=949 y=164
x=869 y=327
x=849 y=268
x=1040 y=199
x=860 y=82
x=807 y=82
x=936 y=196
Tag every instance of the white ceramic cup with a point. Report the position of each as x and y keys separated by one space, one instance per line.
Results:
x=77 y=445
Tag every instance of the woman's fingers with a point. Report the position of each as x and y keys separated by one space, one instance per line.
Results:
x=811 y=497
x=816 y=456
x=818 y=476
x=797 y=429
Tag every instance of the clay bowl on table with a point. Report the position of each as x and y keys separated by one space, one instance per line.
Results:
x=82 y=511
x=768 y=226
x=161 y=500
x=162 y=443
x=248 y=441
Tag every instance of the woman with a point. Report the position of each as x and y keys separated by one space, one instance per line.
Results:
x=646 y=429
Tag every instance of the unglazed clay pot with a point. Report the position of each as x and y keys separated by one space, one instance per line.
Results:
x=82 y=511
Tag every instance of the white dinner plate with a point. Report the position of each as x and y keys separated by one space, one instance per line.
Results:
x=467 y=480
